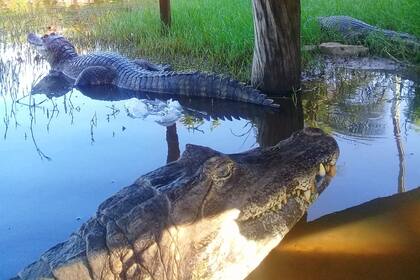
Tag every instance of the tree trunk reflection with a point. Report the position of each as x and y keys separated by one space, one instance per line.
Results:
x=173 y=143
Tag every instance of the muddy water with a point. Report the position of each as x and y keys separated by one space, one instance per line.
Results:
x=375 y=240
x=64 y=151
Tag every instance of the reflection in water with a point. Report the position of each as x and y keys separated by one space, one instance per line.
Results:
x=395 y=112
x=32 y=110
x=272 y=128
x=357 y=99
x=364 y=111
x=173 y=144
x=376 y=240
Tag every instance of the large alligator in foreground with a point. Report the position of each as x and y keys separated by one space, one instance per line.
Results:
x=108 y=68
x=206 y=216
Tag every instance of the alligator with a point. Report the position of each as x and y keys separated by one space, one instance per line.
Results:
x=354 y=29
x=108 y=68
x=55 y=86
x=207 y=215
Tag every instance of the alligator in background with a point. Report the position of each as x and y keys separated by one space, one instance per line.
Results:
x=108 y=68
x=354 y=29
x=206 y=216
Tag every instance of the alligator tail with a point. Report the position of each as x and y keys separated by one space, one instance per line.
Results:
x=203 y=85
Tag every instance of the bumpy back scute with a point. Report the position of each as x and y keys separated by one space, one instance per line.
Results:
x=204 y=85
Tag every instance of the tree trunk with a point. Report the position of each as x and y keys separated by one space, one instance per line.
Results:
x=165 y=12
x=276 y=63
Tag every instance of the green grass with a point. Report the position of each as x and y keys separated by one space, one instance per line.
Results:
x=217 y=35
x=213 y=35
x=398 y=15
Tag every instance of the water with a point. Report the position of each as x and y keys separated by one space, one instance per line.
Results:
x=375 y=240
x=65 y=151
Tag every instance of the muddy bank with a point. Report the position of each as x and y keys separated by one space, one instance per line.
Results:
x=324 y=64
x=379 y=239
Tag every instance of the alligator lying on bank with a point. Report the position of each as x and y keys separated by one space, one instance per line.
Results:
x=140 y=75
x=206 y=216
x=354 y=29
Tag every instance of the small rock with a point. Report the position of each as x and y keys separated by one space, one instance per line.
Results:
x=337 y=49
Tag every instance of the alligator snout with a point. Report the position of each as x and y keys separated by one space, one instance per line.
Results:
x=327 y=169
x=34 y=39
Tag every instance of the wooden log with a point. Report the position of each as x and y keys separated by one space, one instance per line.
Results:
x=276 y=62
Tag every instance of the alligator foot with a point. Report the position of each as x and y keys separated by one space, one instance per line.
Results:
x=95 y=75
x=151 y=66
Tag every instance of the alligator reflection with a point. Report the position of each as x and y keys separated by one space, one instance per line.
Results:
x=358 y=101
x=360 y=106
x=376 y=240
x=271 y=125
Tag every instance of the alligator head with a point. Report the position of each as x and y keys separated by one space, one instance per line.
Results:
x=55 y=48
x=206 y=216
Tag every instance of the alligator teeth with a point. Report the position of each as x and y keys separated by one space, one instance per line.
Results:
x=321 y=171
x=332 y=170
x=307 y=195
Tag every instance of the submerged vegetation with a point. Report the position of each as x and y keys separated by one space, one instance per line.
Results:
x=209 y=35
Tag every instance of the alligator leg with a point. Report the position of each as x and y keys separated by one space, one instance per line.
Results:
x=151 y=66
x=95 y=75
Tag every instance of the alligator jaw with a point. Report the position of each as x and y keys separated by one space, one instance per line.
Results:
x=312 y=156
x=306 y=193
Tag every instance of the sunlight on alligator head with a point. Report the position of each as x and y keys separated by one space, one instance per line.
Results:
x=206 y=216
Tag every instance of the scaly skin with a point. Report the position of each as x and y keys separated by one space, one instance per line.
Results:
x=111 y=68
x=354 y=29
x=206 y=216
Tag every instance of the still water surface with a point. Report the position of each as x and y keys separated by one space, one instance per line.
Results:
x=65 y=151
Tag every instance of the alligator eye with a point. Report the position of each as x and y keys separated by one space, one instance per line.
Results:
x=45 y=36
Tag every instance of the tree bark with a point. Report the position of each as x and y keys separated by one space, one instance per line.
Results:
x=165 y=12
x=276 y=63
